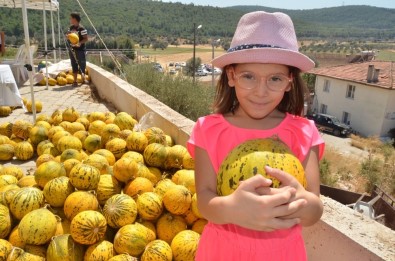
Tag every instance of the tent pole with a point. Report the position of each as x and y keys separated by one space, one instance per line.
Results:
x=60 y=42
x=28 y=51
x=45 y=44
x=53 y=35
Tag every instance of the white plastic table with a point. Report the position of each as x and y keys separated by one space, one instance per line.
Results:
x=9 y=93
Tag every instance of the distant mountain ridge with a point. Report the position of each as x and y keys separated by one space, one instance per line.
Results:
x=140 y=19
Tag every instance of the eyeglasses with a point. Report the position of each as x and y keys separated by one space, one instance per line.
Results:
x=274 y=82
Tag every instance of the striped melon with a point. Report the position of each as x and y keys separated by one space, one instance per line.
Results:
x=155 y=155
x=48 y=171
x=96 y=127
x=63 y=247
x=184 y=245
x=107 y=154
x=37 y=227
x=157 y=250
x=53 y=130
x=5 y=221
x=27 y=181
x=24 y=151
x=88 y=227
x=44 y=158
x=120 y=210
x=6 y=151
x=58 y=135
x=133 y=155
x=38 y=134
x=123 y=257
x=155 y=135
x=84 y=121
x=37 y=250
x=117 y=146
x=169 y=141
x=97 y=161
x=81 y=135
x=7 y=192
x=125 y=169
x=149 y=206
x=125 y=134
x=108 y=186
x=43 y=146
x=12 y=170
x=131 y=239
x=21 y=129
x=190 y=218
x=79 y=201
x=251 y=157
x=92 y=143
x=163 y=186
x=110 y=116
x=7 y=180
x=177 y=200
x=185 y=178
x=155 y=175
x=194 y=206
x=102 y=250
x=174 y=156
x=151 y=228
x=124 y=121
x=84 y=177
x=70 y=115
x=199 y=225
x=69 y=142
x=138 y=186
x=5 y=249
x=136 y=141
x=96 y=116
x=69 y=164
x=71 y=154
x=109 y=132
x=6 y=129
x=14 y=238
x=169 y=225
x=18 y=254
x=57 y=190
x=26 y=200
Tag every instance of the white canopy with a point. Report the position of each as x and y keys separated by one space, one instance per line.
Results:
x=31 y=4
x=44 y=5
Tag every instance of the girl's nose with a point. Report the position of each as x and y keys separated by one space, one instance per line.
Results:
x=261 y=90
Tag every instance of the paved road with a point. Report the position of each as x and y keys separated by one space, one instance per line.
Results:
x=343 y=145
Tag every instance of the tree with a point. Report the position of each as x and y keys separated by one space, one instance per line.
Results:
x=160 y=44
x=189 y=66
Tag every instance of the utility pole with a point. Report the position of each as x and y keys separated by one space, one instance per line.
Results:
x=212 y=65
x=194 y=50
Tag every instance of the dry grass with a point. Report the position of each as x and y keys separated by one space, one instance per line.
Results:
x=360 y=175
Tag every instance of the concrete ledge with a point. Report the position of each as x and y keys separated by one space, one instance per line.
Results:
x=341 y=234
x=126 y=97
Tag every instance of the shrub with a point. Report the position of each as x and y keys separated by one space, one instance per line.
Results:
x=371 y=170
x=192 y=100
x=325 y=173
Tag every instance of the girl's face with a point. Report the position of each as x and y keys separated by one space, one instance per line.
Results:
x=259 y=87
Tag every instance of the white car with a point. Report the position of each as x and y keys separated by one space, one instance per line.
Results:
x=201 y=73
x=217 y=71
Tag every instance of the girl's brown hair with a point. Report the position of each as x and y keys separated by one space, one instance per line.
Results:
x=225 y=99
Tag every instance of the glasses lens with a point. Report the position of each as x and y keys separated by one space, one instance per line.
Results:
x=277 y=82
x=247 y=80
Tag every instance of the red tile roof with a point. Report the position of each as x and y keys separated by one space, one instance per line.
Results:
x=357 y=72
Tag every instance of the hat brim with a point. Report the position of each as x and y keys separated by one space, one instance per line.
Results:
x=266 y=55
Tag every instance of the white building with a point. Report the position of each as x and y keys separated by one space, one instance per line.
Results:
x=359 y=94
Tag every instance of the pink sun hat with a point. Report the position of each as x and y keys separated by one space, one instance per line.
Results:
x=263 y=37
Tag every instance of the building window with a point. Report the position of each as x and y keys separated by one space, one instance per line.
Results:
x=324 y=108
x=327 y=85
x=350 y=91
x=346 y=118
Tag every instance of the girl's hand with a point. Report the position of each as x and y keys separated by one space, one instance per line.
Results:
x=312 y=209
x=253 y=210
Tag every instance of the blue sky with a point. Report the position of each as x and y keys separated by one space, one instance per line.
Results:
x=291 y=4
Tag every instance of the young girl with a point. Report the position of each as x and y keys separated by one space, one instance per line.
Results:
x=260 y=94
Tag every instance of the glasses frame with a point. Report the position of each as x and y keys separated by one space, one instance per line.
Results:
x=289 y=78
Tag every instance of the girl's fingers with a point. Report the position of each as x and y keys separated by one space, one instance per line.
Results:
x=278 y=223
x=283 y=177
x=272 y=191
x=277 y=199
x=288 y=209
x=255 y=182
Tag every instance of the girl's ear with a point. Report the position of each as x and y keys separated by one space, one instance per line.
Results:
x=289 y=87
x=230 y=72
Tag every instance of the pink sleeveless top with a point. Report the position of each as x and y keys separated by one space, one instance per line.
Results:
x=218 y=137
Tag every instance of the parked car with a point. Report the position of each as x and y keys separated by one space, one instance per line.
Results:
x=201 y=73
x=158 y=67
x=329 y=123
x=171 y=64
x=217 y=71
x=172 y=71
x=177 y=67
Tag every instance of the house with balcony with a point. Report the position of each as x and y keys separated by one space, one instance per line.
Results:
x=361 y=95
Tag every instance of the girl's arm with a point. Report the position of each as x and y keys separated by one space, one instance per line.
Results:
x=313 y=209
x=245 y=207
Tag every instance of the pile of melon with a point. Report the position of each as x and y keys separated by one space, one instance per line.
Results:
x=100 y=191
x=63 y=78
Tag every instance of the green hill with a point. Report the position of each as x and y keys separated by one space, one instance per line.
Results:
x=141 y=19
